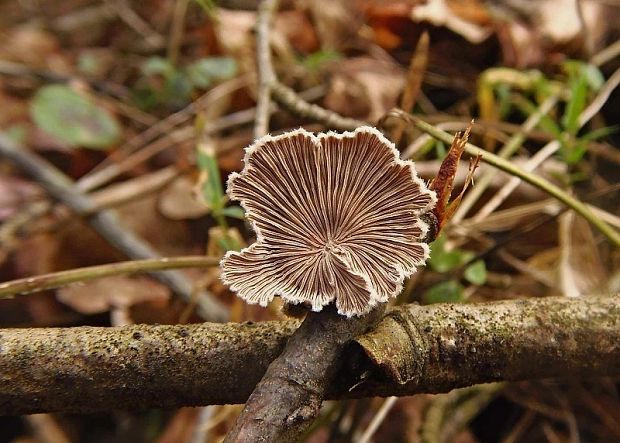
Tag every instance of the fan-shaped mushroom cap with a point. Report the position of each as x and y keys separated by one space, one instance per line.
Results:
x=337 y=218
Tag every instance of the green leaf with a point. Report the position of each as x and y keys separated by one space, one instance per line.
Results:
x=210 y=180
x=600 y=133
x=315 y=60
x=476 y=273
x=203 y=72
x=573 y=153
x=73 y=118
x=233 y=212
x=450 y=291
x=594 y=77
x=442 y=260
x=158 y=66
x=576 y=104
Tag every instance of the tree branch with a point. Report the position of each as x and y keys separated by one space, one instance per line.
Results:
x=289 y=396
x=429 y=348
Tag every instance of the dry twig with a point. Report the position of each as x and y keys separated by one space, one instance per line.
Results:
x=264 y=65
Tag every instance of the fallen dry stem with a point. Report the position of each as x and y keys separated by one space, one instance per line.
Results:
x=63 y=278
x=291 y=101
x=264 y=66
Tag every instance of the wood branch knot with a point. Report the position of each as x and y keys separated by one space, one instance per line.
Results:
x=403 y=361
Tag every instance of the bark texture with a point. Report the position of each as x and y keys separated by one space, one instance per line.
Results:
x=289 y=396
x=413 y=349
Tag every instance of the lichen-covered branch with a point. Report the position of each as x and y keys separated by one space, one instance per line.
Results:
x=413 y=349
x=440 y=347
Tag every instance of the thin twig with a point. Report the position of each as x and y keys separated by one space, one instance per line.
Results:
x=62 y=278
x=176 y=30
x=607 y=54
x=135 y=22
x=464 y=411
x=415 y=74
x=264 y=66
x=601 y=98
x=290 y=100
x=106 y=224
x=377 y=419
x=534 y=162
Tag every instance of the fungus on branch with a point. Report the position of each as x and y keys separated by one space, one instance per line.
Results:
x=337 y=218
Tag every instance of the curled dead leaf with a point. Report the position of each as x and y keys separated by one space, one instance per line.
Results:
x=112 y=293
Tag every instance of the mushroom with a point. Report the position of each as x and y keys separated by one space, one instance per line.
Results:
x=337 y=218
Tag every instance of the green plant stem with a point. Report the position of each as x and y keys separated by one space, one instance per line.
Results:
x=62 y=278
x=533 y=179
x=511 y=146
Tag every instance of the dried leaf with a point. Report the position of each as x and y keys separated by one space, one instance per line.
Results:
x=112 y=292
x=180 y=201
x=580 y=269
x=439 y=13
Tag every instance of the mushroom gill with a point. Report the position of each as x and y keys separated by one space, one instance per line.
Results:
x=337 y=218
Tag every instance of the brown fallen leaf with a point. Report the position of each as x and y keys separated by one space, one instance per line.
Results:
x=546 y=26
x=364 y=87
x=580 y=267
x=111 y=293
x=15 y=193
x=474 y=27
x=180 y=200
x=168 y=237
x=33 y=46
